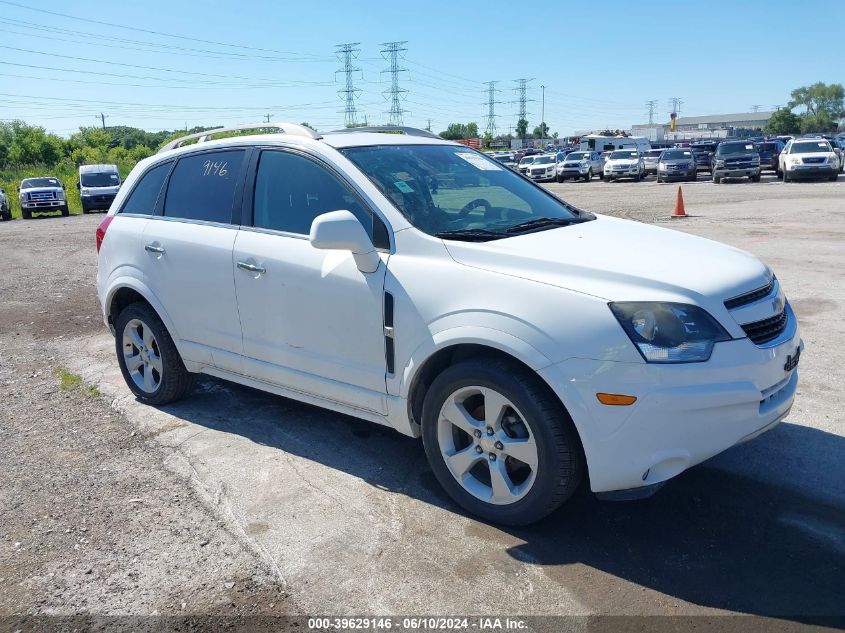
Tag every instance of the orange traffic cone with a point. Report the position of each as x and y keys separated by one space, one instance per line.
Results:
x=680 y=211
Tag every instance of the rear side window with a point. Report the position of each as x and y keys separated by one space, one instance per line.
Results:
x=144 y=196
x=291 y=190
x=202 y=187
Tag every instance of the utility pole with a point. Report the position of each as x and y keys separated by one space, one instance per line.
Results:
x=267 y=117
x=543 y=112
x=428 y=127
x=346 y=53
x=651 y=106
x=777 y=107
x=102 y=118
x=391 y=52
x=491 y=107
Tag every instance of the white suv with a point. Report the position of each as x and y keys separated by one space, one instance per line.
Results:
x=419 y=284
x=808 y=158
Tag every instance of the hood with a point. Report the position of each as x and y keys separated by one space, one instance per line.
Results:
x=101 y=190
x=41 y=190
x=621 y=260
x=623 y=161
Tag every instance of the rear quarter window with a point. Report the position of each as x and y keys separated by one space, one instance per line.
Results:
x=202 y=186
x=144 y=196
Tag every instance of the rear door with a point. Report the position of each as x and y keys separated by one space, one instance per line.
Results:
x=188 y=247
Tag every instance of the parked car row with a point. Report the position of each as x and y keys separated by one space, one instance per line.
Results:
x=98 y=185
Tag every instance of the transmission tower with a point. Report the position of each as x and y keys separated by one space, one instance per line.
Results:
x=347 y=53
x=675 y=103
x=391 y=52
x=521 y=97
x=756 y=107
x=651 y=105
x=491 y=107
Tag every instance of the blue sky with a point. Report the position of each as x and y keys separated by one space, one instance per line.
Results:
x=233 y=62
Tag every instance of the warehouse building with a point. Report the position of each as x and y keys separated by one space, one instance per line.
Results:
x=712 y=126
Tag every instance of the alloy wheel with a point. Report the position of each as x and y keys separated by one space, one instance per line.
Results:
x=487 y=445
x=142 y=356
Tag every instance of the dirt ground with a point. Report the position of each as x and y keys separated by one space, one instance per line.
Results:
x=240 y=503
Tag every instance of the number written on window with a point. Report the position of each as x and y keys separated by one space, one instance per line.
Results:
x=214 y=168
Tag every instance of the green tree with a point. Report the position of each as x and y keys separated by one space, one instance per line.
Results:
x=784 y=121
x=821 y=122
x=541 y=131
x=521 y=128
x=820 y=98
x=456 y=131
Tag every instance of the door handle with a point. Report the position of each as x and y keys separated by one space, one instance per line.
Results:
x=252 y=268
x=151 y=248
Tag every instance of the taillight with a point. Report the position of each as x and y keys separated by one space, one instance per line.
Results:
x=101 y=230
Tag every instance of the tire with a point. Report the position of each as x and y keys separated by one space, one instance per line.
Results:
x=659 y=180
x=834 y=178
x=65 y=211
x=785 y=176
x=85 y=210
x=755 y=178
x=559 y=178
x=174 y=381
x=26 y=214
x=692 y=177
x=589 y=175
x=716 y=179
x=559 y=462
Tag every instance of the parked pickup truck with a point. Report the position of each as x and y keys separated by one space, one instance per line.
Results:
x=736 y=159
x=42 y=195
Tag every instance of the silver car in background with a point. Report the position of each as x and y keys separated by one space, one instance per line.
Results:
x=676 y=164
x=650 y=160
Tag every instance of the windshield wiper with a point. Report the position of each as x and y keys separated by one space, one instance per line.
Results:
x=539 y=223
x=471 y=235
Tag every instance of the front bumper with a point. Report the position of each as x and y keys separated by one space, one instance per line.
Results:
x=544 y=177
x=571 y=173
x=811 y=171
x=677 y=174
x=621 y=173
x=43 y=205
x=98 y=201
x=684 y=414
x=742 y=172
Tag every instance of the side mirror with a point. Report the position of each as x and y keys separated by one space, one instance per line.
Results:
x=341 y=231
x=78 y=185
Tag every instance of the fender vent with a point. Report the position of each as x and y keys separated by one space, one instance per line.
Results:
x=389 y=352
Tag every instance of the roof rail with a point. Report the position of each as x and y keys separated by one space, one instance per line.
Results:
x=410 y=131
x=283 y=127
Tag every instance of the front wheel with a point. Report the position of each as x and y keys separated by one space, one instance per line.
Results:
x=148 y=358
x=588 y=176
x=834 y=177
x=755 y=178
x=716 y=179
x=499 y=441
x=65 y=211
x=26 y=214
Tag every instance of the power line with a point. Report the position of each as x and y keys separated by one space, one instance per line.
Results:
x=491 y=107
x=651 y=105
x=675 y=103
x=347 y=53
x=756 y=107
x=392 y=51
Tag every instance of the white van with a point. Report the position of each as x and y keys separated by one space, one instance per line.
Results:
x=98 y=185
x=599 y=143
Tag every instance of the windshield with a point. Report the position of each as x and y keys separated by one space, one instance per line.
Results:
x=99 y=179
x=623 y=155
x=32 y=183
x=504 y=159
x=574 y=157
x=544 y=160
x=441 y=188
x=806 y=147
x=676 y=154
x=527 y=160
x=653 y=153
x=734 y=148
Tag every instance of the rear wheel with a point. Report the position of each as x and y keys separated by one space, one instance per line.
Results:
x=148 y=358
x=499 y=442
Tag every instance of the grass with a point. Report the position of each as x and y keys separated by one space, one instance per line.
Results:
x=68 y=381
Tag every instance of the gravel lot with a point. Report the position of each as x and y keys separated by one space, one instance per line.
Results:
x=237 y=502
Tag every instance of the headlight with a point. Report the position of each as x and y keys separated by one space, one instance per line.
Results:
x=720 y=163
x=794 y=160
x=60 y=195
x=661 y=165
x=669 y=332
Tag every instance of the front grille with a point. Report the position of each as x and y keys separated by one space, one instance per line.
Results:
x=814 y=160
x=750 y=297
x=766 y=330
x=42 y=195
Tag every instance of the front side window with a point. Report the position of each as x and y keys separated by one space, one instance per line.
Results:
x=145 y=194
x=202 y=186
x=291 y=190
x=444 y=188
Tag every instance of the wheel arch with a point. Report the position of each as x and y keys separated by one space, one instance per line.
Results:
x=130 y=290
